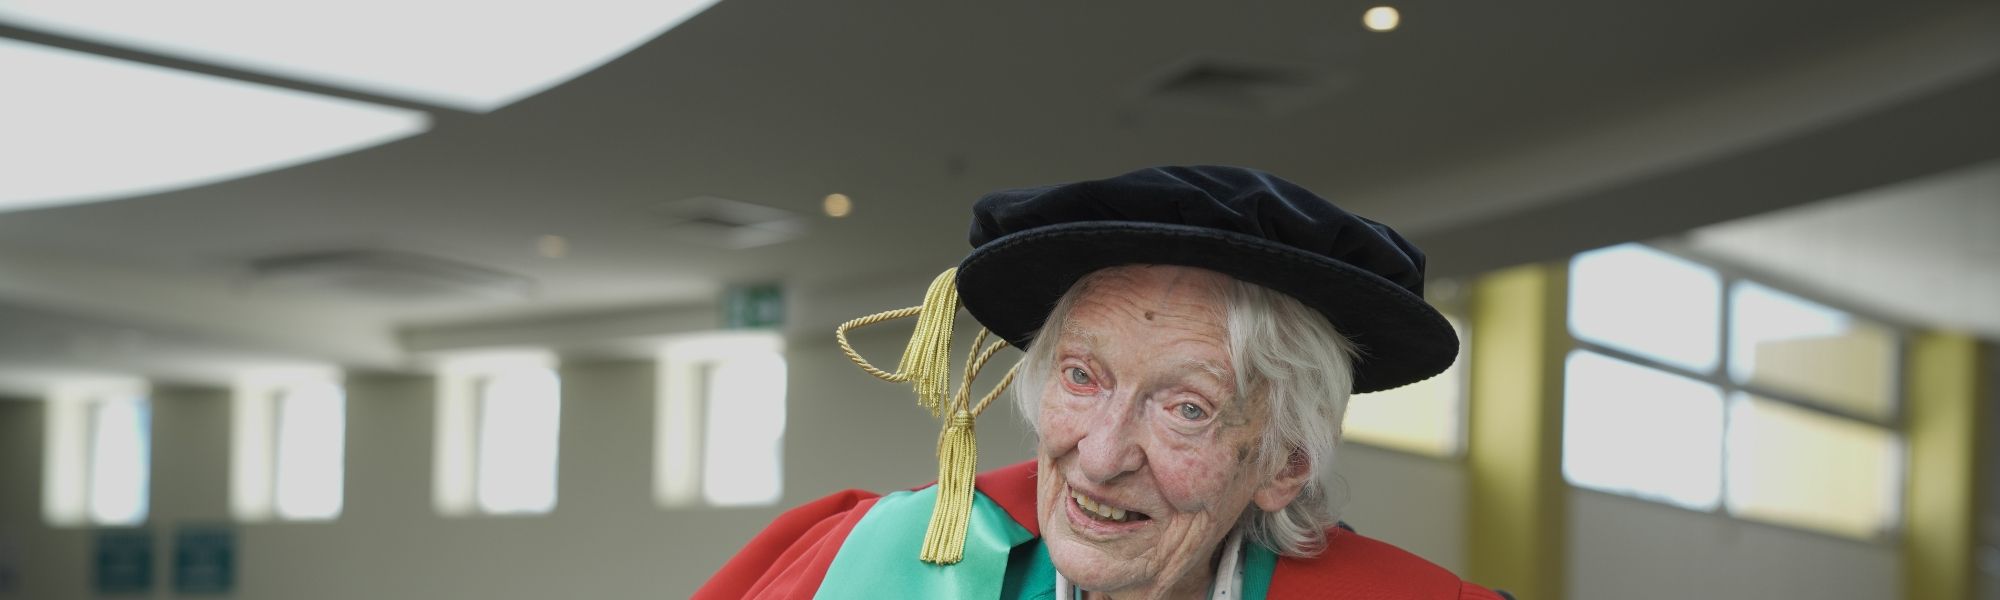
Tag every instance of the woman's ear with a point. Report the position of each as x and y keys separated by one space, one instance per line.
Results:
x=1278 y=493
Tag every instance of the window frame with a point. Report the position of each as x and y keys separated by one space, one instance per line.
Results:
x=681 y=434
x=282 y=401
x=457 y=430
x=482 y=385
x=1461 y=392
x=69 y=446
x=1719 y=376
x=94 y=408
x=258 y=405
x=1721 y=457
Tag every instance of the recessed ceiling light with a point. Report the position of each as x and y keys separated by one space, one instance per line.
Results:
x=468 y=54
x=1382 y=18
x=85 y=128
x=838 y=205
x=552 y=246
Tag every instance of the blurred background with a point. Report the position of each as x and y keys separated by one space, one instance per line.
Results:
x=453 y=299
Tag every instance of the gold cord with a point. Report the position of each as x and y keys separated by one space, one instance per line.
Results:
x=924 y=363
x=840 y=335
x=928 y=354
x=958 y=461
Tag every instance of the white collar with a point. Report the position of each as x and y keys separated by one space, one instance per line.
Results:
x=1228 y=574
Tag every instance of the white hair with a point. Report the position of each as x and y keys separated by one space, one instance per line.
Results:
x=1281 y=350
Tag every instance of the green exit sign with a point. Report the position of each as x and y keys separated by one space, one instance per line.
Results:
x=753 y=307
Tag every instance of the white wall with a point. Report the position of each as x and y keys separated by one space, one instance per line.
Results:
x=1415 y=502
x=1626 y=549
x=606 y=538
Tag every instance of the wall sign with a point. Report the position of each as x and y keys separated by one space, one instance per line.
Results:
x=10 y=562
x=204 y=560
x=124 y=562
x=753 y=306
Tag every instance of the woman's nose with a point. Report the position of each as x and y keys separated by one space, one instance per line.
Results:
x=1110 y=445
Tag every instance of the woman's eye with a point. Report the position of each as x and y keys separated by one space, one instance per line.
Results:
x=1191 y=412
x=1077 y=376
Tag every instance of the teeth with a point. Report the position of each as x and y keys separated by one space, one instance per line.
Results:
x=1109 y=513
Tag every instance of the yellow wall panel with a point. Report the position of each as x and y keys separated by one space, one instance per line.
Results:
x=1516 y=496
x=1946 y=387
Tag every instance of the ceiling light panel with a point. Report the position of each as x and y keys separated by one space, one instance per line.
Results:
x=1382 y=18
x=78 y=127
x=466 y=54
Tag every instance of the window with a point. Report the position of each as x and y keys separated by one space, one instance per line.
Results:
x=1422 y=418
x=1641 y=432
x=498 y=432
x=518 y=415
x=1711 y=392
x=98 y=453
x=1785 y=343
x=1648 y=303
x=721 y=420
x=287 y=453
x=1803 y=468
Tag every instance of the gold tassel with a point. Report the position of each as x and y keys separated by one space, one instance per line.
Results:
x=927 y=359
x=924 y=364
x=958 y=459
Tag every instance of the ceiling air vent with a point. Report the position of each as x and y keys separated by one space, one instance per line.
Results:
x=388 y=275
x=728 y=224
x=1239 y=88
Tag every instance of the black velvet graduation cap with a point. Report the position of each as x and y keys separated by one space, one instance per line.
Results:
x=1030 y=245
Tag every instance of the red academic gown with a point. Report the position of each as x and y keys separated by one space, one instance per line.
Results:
x=790 y=558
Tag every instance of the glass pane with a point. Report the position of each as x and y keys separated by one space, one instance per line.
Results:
x=1422 y=417
x=1794 y=466
x=741 y=463
x=120 y=460
x=1643 y=432
x=312 y=427
x=1649 y=303
x=1785 y=343
x=519 y=416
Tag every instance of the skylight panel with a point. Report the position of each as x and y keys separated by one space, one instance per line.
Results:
x=466 y=54
x=78 y=127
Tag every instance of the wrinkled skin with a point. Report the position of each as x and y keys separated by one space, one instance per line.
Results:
x=1140 y=412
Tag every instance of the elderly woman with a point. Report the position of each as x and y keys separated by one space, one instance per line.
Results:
x=1192 y=335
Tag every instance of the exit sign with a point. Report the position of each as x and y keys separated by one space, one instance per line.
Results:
x=753 y=307
x=205 y=560
x=124 y=562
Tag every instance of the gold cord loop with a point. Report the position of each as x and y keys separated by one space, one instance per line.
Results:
x=924 y=364
x=840 y=335
x=928 y=356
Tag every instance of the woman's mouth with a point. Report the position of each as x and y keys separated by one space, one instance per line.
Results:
x=1099 y=511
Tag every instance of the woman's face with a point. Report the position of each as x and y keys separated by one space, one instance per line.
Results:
x=1148 y=457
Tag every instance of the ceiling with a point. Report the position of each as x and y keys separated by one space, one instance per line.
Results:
x=1494 y=133
x=1922 y=253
